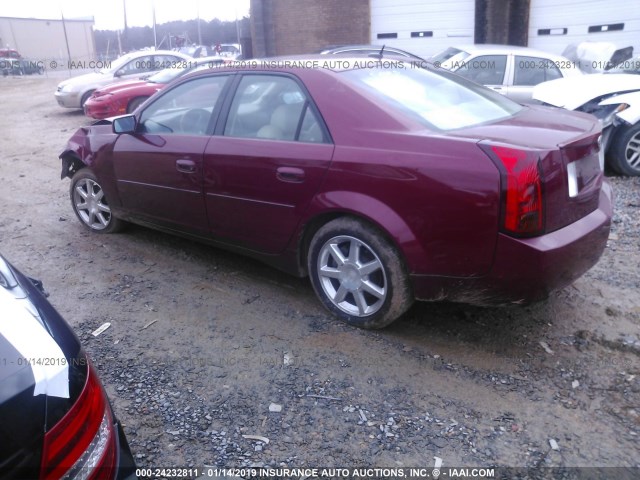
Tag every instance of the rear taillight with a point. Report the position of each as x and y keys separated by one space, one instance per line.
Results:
x=82 y=445
x=523 y=211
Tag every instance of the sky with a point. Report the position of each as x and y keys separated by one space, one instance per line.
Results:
x=108 y=14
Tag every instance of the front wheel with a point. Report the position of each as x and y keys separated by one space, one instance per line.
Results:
x=357 y=274
x=624 y=155
x=90 y=204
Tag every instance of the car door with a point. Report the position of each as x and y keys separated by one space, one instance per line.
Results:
x=159 y=168
x=487 y=70
x=265 y=163
x=529 y=72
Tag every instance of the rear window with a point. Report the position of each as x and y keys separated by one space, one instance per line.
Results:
x=437 y=99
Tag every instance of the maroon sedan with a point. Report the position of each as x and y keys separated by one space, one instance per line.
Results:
x=124 y=97
x=382 y=181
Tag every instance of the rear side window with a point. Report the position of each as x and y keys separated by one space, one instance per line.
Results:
x=435 y=98
x=485 y=70
x=272 y=107
x=530 y=71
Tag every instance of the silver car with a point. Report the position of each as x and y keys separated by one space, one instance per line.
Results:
x=74 y=92
x=512 y=71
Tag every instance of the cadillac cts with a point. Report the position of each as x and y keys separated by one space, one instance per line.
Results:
x=382 y=182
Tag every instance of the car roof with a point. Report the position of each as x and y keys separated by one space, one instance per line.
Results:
x=306 y=62
x=387 y=48
x=503 y=49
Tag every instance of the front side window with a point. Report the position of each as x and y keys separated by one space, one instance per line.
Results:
x=272 y=107
x=485 y=70
x=186 y=109
x=530 y=71
x=435 y=98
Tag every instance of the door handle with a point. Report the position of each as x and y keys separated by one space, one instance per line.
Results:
x=185 y=166
x=290 y=174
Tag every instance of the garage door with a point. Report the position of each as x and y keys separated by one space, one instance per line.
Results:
x=553 y=24
x=422 y=27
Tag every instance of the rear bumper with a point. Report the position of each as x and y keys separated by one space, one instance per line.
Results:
x=526 y=270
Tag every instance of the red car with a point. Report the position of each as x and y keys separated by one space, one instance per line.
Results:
x=124 y=97
x=382 y=181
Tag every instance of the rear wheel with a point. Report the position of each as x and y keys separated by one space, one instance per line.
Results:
x=135 y=103
x=624 y=156
x=90 y=204
x=357 y=274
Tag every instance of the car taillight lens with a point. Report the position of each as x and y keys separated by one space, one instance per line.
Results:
x=522 y=190
x=82 y=445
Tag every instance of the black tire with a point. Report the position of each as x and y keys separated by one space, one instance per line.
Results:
x=85 y=97
x=624 y=154
x=135 y=103
x=90 y=205
x=369 y=263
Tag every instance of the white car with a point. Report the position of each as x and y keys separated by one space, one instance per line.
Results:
x=512 y=71
x=74 y=92
x=612 y=97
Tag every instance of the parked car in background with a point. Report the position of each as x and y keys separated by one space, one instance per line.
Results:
x=197 y=51
x=615 y=100
x=597 y=57
x=512 y=71
x=56 y=419
x=12 y=63
x=229 y=51
x=360 y=178
x=368 y=50
x=631 y=65
x=20 y=66
x=73 y=93
x=9 y=53
x=125 y=97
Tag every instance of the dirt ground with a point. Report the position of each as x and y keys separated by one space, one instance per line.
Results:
x=204 y=344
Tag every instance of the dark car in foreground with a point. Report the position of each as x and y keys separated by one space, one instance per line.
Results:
x=383 y=182
x=55 y=418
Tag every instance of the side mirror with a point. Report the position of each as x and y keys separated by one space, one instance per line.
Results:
x=119 y=73
x=126 y=124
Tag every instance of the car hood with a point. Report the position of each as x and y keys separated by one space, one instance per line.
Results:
x=117 y=87
x=94 y=78
x=572 y=92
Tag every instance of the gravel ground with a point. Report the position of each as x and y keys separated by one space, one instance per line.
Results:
x=207 y=350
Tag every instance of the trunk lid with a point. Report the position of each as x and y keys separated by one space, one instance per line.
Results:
x=567 y=146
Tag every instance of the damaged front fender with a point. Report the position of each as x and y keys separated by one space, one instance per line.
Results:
x=80 y=148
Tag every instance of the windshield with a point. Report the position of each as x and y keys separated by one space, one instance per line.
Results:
x=168 y=74
x=118 y=63
x=437 y=99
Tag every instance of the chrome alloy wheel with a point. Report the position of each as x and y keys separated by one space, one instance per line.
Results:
x=91 y=204
x=632 y=152
x=352 y=276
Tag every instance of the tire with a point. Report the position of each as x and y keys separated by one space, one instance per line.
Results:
x=624 y=155
x=90 y=205
x=85 y=97
x=357 y=274
x=135 y=103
